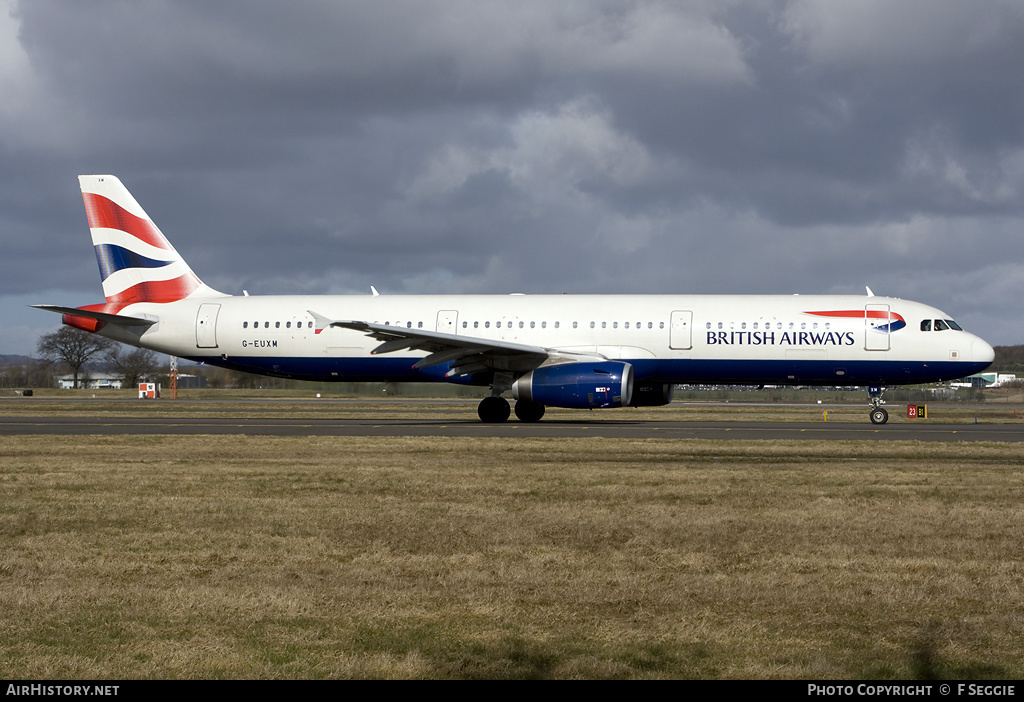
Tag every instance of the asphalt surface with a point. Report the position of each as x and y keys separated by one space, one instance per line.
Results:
x=556 y=429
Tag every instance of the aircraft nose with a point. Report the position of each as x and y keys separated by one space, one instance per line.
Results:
x=981 y=351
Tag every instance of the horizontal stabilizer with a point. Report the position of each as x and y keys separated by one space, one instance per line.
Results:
x=122 y=319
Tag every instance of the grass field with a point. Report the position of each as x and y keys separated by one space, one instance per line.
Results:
x=268 y=557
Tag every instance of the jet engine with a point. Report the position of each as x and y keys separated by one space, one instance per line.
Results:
x=578 y=385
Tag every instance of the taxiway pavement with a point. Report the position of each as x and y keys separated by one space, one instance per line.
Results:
x=556 y=429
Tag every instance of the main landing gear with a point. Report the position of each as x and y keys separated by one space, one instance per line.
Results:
x=495 y=409
x=878 y=414
x=529 y=411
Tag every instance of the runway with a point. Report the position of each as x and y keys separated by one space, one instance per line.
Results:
x=556 y=429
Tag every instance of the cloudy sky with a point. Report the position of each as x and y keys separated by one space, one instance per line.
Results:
x=491 y=147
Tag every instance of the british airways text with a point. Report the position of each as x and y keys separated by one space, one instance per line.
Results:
x=766 y=338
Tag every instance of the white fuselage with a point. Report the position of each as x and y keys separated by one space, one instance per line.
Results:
x=797 y=339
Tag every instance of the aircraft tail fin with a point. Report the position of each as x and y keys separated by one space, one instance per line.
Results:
x=137 y=263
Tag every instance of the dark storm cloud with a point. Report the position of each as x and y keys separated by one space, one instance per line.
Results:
x=531 y=146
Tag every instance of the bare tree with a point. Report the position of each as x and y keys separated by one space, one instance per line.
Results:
x=133 y=366
x=73 y=347
x=33 y=373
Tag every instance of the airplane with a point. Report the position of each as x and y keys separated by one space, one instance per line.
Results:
x=570 y=351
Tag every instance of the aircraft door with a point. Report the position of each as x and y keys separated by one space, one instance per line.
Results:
x=681 y=330
x=877 y=322
x=206 y=326
x=448 y=321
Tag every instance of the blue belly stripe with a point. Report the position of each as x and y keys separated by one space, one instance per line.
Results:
x=677 y=371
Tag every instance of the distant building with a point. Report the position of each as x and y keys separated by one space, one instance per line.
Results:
x=985 y=380
x=89 y=381
x=105 y=381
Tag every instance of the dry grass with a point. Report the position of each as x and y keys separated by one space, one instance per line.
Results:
x=267 y=557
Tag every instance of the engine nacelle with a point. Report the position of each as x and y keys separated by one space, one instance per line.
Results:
x=578 y=385
x=652 y=395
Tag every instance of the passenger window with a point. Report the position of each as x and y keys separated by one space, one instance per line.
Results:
x=277 y=325
x=245 y=325
x=266 y=325
x=556 y=324
x=926 y=325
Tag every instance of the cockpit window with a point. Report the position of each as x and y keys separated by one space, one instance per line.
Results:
x=939 y=325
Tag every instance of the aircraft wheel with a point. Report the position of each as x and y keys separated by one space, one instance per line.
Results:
x=494 y=409
x=528 y=411
x=879 y=416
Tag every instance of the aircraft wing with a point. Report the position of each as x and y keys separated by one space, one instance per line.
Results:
x=468 y=354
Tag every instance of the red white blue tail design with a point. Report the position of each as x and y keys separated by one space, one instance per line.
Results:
x=136 y=262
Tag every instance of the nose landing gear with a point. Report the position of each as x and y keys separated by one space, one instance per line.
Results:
x=878 y=414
